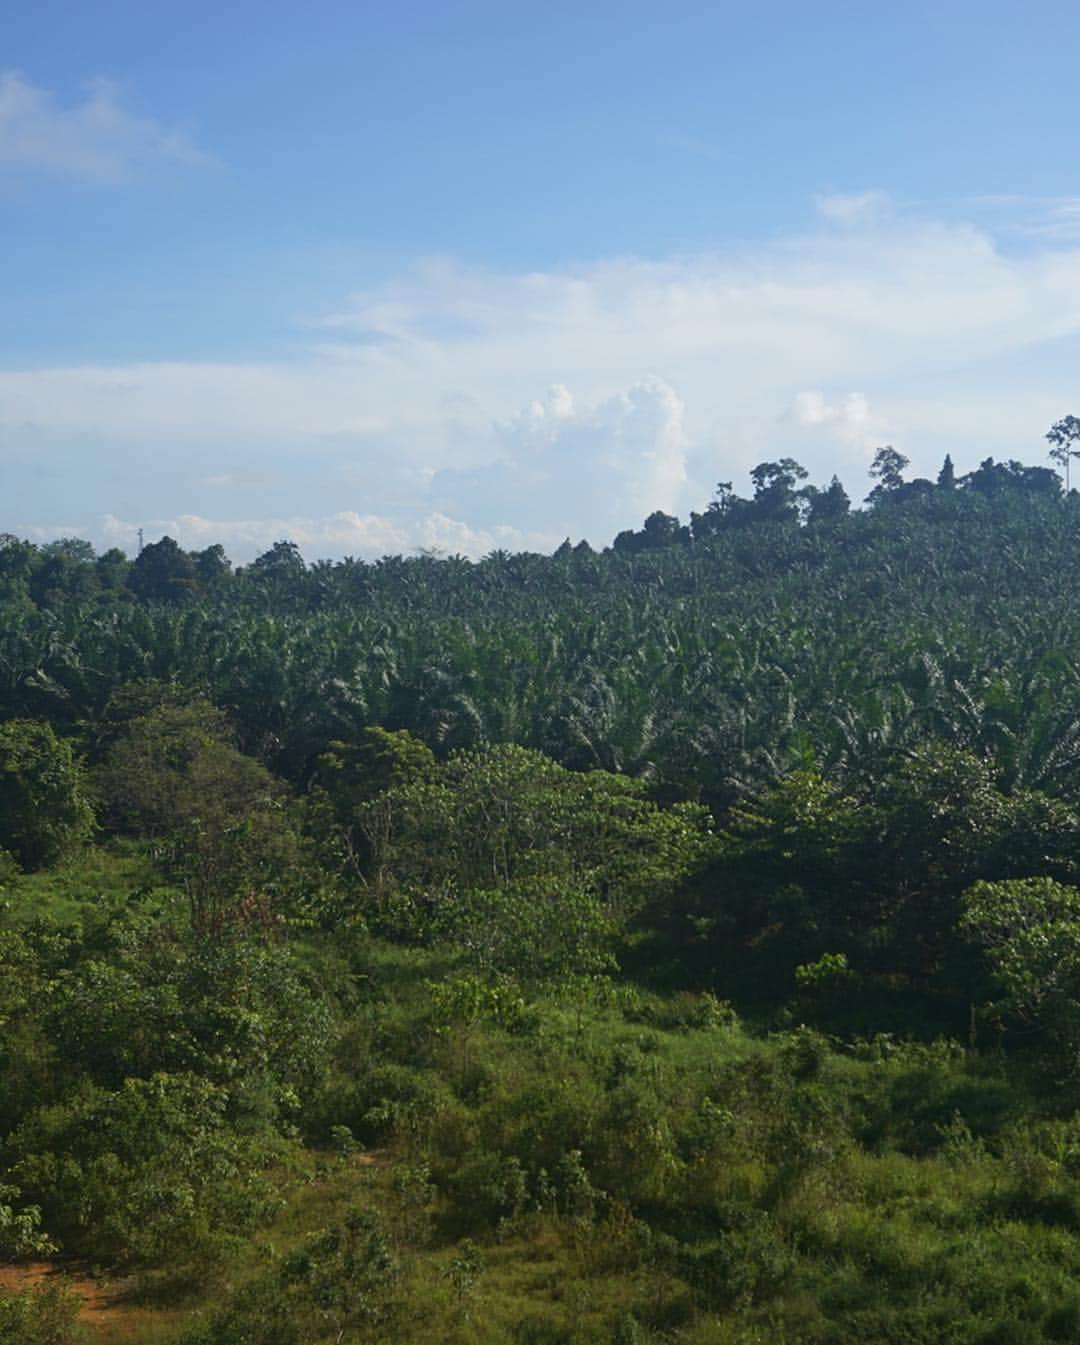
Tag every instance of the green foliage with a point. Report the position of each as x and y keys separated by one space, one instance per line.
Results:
x=147 y=1173
x=39 y=1317
x=226 y=824
x=238 y=1011
x=175 y=765
x=467 y=1000
x=20 y=1227
x=345 y=1274
x=507 y=818
x=829 y=969
x=1030 y=931
x=339 y=1282
x=1062 y=436
x=354 y=773
x=540 y=933
x=350 y=797
x=818 y=764
x=464 y=1269
x=163 y=572
x=44 y=810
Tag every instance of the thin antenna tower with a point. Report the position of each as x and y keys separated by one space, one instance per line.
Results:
x=140 y=542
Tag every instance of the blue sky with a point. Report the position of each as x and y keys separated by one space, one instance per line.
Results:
x=477 y=275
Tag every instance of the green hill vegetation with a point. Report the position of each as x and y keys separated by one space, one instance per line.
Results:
x=675 y=943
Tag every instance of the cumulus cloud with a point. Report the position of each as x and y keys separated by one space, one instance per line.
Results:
x=423 y=397
x=94 y=139
x=849 y=420
x=569 y=468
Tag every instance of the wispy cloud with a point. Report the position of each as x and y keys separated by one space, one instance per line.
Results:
x=1043 y=219
x=94 y=139
x=1060 y=220
x=857 y=209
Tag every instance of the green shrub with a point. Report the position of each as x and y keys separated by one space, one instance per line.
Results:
x=149 y=1173
x=39 y=1317
x=44 y=809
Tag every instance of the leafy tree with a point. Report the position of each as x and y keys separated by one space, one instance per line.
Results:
x=1063 y=436
x=346 y=1274
x=662 y=529
x=541 y=933
x=776 y=499
x=1029 y=929
x=283 y=560
x=238 y=1011
x=824 y=506
x=947 y=476
x=176 y=764
x=250 y=871
x=507 y=815
x=278 y=576
x=888 y=466
x=787 y=881
x=32 y=961
x=20 y=1227
x=380 y=759
x=231 y=832
x=943 y=824
x=996 y=479
x=659 y=530
x=143 y=1174
x=337 y=1284
x=44 y=809
x=212 y=567
x=66 y=573
x=113 y=568
x=40 y=1317
x=162 y=572
x=18 y=559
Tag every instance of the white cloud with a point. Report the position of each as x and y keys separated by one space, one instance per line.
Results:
x=344 y=533
x=850 y=421
x=581 y=468
x=1046 y=219
x=95 y=140
x=423 y=398
x=857 y=210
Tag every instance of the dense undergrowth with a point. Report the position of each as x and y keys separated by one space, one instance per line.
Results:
x=641 y=1166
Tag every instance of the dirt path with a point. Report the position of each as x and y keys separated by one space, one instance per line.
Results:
x=97 y=1300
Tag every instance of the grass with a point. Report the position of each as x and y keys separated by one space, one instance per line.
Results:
x=99 y=881
x=645 y=1170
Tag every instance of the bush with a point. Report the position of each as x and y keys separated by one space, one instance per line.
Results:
x=41 y=1317
x=44 y=810
x=147 y=1174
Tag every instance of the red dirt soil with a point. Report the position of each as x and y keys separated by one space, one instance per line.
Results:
x=97 y=1300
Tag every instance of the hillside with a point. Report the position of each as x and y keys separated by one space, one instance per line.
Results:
x=676 y=943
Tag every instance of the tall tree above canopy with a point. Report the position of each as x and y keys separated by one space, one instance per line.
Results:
x=1063 y=437
x=776 y=497
x=888 y=467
